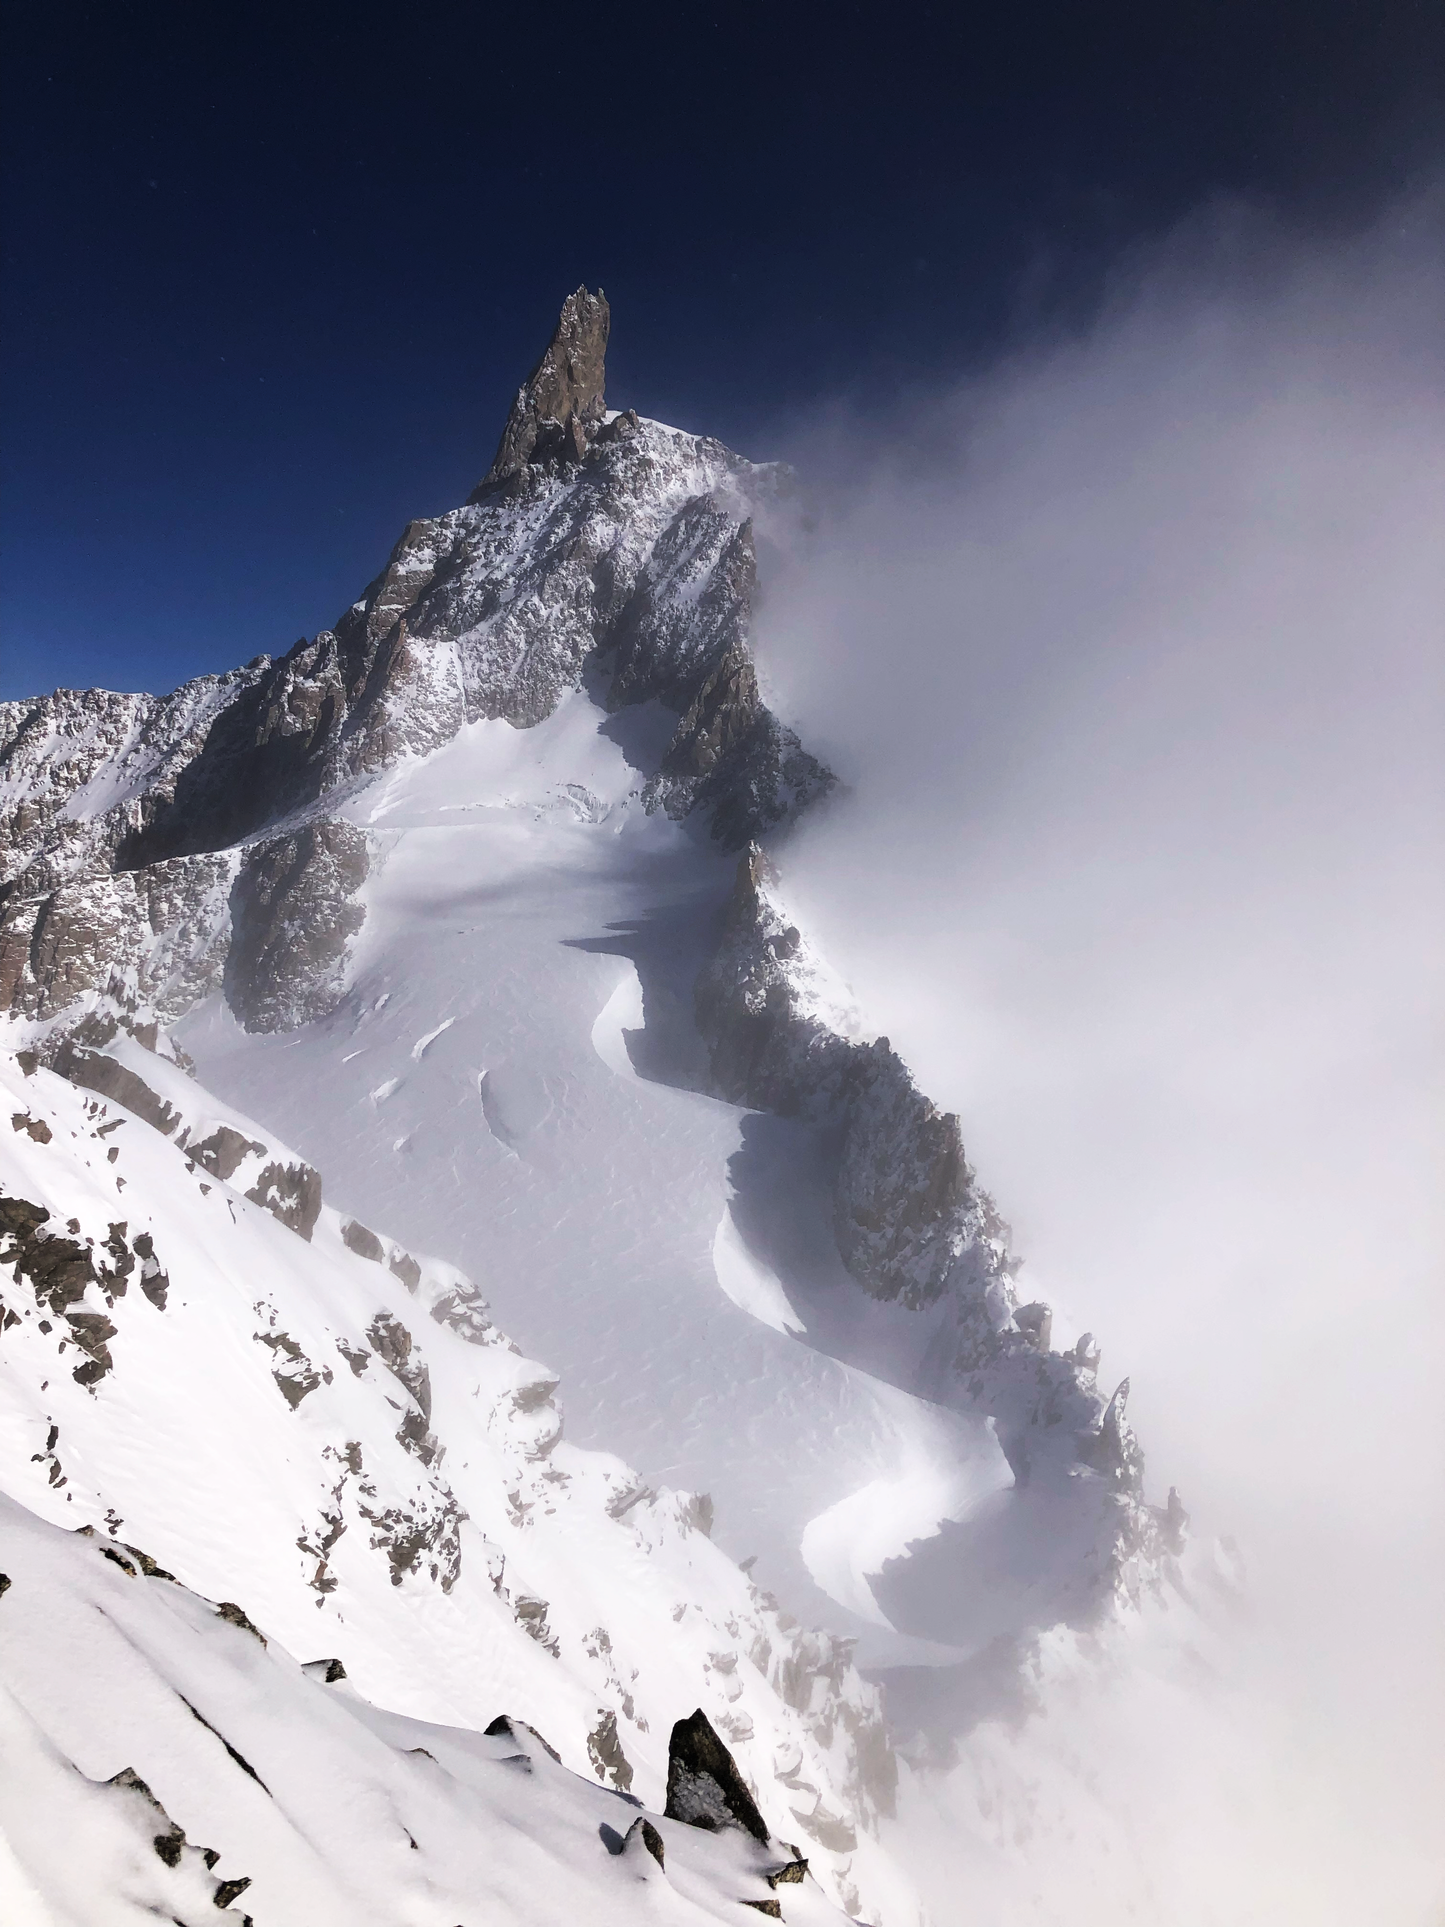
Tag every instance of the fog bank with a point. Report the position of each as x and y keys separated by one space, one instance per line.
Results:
x=1129 y=654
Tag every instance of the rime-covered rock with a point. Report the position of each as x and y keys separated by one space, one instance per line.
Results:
x=136 y=859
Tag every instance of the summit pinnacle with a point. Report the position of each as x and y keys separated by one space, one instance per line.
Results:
x=562 y=397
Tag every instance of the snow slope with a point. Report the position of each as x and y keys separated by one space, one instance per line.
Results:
x=282 y=1418
x=162 y=1758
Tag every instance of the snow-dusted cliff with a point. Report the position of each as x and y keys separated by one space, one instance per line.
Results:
x=432 y=937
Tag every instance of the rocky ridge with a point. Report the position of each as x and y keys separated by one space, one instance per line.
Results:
x=915 y=1227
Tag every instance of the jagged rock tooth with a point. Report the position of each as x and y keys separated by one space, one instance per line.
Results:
x=563 y=395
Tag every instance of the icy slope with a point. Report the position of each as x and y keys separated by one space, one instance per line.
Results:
x=162 y=1758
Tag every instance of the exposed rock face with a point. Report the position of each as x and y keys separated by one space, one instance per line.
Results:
x=293 y=915
x=562 y=398
x=643 y=1837
x=69 y=1281
x=907 y=1204
x=171 y=1846
x=365 y=1243
x=687 y=608
x=604 y=1750
x=633 y=550
x=907 y=1208
x=706 y=1790
x=93 y=1071
x=732 y=757
x=291 y=1192
x=393 y=1344
x=155 y=936
x=224 y=1151
x=294 y=1373
x=524 y=1737
x=81 y=769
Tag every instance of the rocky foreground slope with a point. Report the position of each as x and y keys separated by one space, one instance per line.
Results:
x=346 y=1811
x=286 y=1404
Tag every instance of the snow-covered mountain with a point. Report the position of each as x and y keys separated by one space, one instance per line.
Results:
x=443 y=971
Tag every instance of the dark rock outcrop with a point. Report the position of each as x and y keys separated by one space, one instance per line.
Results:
x=93 y=1071
x=235 y=1615
x=425 y=1537
x=704 y=1787
x=157 y=936
x=169 y=1839
x=732 y=758
x=643 y=1837
x=149 y=1566
x=61 y=1270
x=393 y=1344
x=58 y=1268
x=463 y=1309
x=291 y=1193
x=364 y=1243
x=224 y=1151
x=293 y=1372
x=604 y=1751
x=405 y=1267
x=504 y=1727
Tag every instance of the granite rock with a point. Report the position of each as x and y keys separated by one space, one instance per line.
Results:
x=562 y=398
x=293 y=916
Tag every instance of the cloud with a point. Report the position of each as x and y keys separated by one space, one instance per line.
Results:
x=1129 y=652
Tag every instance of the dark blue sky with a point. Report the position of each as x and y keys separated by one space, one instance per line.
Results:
x=271 y=274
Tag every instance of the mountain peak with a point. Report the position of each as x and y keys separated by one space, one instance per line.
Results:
x=563 y=395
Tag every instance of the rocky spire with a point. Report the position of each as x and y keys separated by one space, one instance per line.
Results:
x=562 y=397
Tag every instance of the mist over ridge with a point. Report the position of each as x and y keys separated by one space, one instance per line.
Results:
x=1127 y=652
